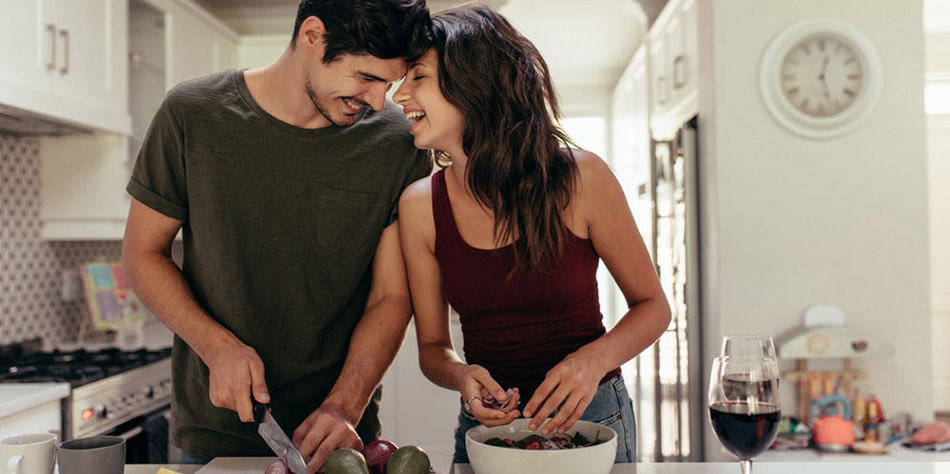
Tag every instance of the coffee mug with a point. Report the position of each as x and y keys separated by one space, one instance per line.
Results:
x=93 y=455
x=28 y=454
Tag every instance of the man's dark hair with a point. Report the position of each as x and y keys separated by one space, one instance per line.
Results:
x=386 y=29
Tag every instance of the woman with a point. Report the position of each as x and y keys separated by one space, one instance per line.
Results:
x=510 y=233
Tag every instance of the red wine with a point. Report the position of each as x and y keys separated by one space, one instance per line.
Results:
x=745 y=430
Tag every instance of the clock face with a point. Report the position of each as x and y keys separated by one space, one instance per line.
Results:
x=821 y=76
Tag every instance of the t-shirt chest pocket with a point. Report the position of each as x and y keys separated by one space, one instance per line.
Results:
x=350 y=223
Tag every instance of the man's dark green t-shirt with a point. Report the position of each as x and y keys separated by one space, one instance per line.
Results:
x=280 y=226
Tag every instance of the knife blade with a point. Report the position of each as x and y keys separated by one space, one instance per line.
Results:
x=278 y=441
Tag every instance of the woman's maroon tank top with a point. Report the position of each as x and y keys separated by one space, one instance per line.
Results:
x=519 y=328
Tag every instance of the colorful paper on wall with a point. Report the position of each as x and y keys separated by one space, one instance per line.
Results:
x=110 y=298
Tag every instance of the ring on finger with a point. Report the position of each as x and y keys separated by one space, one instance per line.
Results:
x=468 y=404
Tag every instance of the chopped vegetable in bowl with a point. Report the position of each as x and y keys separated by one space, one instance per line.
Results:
x=537 y=442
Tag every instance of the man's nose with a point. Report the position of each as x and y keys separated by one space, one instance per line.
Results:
x=376 y=97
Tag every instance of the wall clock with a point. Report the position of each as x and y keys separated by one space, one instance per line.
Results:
x=820 y=77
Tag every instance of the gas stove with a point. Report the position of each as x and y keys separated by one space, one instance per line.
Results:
x=110 y=387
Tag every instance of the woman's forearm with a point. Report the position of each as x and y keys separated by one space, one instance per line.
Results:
x=641 y=326
x=441 y=365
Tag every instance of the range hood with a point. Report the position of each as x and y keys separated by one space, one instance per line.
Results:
x=824 y=335
x=21 y=123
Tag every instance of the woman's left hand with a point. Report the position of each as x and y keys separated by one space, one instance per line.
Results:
x=573 y=382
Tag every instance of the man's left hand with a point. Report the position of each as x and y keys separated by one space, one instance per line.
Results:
x=324 y=431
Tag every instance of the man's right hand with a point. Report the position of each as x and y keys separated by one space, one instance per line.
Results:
x=237 y=372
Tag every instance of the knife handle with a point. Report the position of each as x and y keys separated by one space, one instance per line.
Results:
x=260 y=410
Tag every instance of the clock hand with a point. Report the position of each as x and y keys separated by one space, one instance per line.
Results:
x=821 y=77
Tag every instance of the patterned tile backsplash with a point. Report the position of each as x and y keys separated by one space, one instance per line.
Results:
x=30 y=269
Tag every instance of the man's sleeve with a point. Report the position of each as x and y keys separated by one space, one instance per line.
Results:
x=158 y=178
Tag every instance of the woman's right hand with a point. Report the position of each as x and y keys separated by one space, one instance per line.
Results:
x=476 y=384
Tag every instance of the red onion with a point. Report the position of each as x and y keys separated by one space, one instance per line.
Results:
x=377 y=453
x=277 y=467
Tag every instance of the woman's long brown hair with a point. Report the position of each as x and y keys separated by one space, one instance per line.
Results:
x=516 y=166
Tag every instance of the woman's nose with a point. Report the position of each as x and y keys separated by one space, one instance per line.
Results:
x=402 y=94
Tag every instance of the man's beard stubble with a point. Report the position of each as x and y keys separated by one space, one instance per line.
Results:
x=317 y=104
x=320 y=107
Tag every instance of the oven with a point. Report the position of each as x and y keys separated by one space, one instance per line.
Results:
x=147 y=438
x=133 y=404
x=117 y=392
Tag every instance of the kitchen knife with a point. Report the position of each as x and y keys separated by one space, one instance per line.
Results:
x=277 y=439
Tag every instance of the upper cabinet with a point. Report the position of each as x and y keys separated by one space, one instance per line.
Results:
x=30 y=62
x=631 y=151
x=65 y=62
x=200 y=44
x=674 y=60
x=159 y=44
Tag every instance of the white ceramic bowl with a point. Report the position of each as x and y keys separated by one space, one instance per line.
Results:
x=487 y=459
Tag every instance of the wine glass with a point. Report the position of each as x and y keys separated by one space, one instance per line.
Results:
x=747 y=345
x=743 y=405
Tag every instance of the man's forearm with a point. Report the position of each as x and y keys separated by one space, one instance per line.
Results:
x=374 y=345
x=159 y=283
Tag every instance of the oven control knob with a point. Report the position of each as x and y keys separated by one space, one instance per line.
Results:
x=149 y=392
x=100 y=411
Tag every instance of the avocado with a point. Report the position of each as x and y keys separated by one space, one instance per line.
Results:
x=346 y=461
x=408 y=460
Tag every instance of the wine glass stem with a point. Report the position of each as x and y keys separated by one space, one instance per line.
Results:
x=746 y=466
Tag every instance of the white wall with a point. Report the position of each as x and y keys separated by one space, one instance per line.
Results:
x=938 y=152
x=261 y=50
x=843 y=221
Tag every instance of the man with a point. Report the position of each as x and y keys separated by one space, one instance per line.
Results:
x=284 y=184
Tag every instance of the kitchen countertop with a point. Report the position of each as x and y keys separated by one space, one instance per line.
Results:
x=862 y=467
x=867 y=467
x=16 y=398
x=895 y=452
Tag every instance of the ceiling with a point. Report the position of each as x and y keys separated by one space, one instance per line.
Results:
x=586 y=44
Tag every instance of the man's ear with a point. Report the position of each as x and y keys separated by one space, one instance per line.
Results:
x=311 y=34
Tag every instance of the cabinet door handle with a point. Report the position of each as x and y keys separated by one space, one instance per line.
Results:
x=51 y=30
x=679 y=65
x=64 y=34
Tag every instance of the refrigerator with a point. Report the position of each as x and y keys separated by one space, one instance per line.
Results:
x=668 y=393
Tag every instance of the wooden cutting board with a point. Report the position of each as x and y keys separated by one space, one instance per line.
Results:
x=255 y=465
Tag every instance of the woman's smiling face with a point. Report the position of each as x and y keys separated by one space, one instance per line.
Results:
x=436 y=124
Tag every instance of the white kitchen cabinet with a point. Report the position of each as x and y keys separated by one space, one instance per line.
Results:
x=674 y=61
x=84 y=176
x=45 y=418
x=199 y=44
x=24 y=61
x=660 y=73
x=91 y=51
x=66 y=60
x=631 y=157
x=690 y=73
x=83 y=187
x=31 y=408
x=631 y=146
